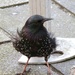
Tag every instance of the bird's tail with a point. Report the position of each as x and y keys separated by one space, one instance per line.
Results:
x=11 y=35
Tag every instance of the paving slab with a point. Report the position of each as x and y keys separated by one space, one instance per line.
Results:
x=65 y=67
x=8 y=59
x=63 y=24
x=69 y=4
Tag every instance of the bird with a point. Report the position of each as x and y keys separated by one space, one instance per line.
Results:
x=33 y=40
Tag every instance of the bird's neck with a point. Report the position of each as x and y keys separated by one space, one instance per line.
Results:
x=35 y=34
x=34 y=29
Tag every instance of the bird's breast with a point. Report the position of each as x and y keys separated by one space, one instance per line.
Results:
x=39 y=44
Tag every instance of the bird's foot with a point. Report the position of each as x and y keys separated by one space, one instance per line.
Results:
x=24 y=73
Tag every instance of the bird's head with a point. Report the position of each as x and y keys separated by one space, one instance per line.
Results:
x=36 y=22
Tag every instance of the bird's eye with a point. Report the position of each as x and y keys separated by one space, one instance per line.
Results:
x=39 y=20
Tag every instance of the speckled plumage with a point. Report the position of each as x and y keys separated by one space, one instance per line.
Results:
x=41 y=46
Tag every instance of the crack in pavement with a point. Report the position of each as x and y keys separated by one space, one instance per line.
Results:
x=3 y=42
x=63 y=7
x=13 y=5
x=56 y=70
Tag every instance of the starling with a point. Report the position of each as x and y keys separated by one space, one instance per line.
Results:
x=34 y=40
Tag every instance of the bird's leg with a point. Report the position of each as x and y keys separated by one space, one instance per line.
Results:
x=49 y=70
x=24 y=71
x=25 y=66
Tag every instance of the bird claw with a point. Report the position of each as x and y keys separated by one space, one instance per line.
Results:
x=24 y=73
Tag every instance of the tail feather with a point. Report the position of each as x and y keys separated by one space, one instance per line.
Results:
x=18 y=35
x=11 y=35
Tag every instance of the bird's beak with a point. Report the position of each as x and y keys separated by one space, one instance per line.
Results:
x=47 y=19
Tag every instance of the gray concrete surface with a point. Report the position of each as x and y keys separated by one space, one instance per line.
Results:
x=4 y=3
x=72 y=70
x=15 y=17
x=69 y=4
x=63 y=24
